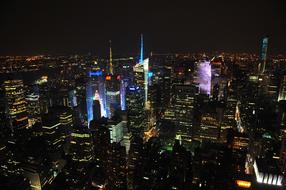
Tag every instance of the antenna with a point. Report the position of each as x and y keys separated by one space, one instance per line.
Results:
x=110 y=59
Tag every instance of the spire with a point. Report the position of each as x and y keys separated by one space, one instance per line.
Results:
x=141 y=50
x=110 y=59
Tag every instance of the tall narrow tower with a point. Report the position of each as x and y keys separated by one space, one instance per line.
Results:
x=110 y=59
x=141 y=58
x=264 y=48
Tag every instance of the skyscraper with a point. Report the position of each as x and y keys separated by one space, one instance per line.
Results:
x=33 y=109
x=184 y=101
x=112 y=84
x=282 y=90
x=203 y=77
x=16 y=103
x=141 y=78
x=135 y=109
x=262 y=64
x=81 y=146
x=95 y=90
x=113 y=99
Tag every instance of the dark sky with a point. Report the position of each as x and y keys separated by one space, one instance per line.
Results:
x=81 y=26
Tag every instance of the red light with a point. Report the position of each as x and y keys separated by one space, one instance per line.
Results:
x=118 y=77
x=108 y=77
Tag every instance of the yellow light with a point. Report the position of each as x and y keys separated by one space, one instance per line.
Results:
x=243 y=184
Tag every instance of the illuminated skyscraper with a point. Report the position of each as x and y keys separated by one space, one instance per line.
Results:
x=135 y=109
x=81 y=146
x=203 y=77
x=16 y=103
x=33 y=109
x=184 y=101
x=141 y=78
x=112 y=84
x=282 y=91
x=123 y=86
x=116 y=130
x=95 y=90
x=262 y=65
x=113 y=100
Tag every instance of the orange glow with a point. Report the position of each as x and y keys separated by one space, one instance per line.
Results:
x=22 y=119
x=108 y=77
x=243 y=184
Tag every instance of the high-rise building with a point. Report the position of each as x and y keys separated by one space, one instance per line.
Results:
x=136 y=116
x=264 y=47
x=95 y=90
x=81 y=148
x=209 y=129
x=282 y=90
x=57 y=126
x=141 y=78
x=52 y=130
x=113 y=99
x=101 y=140
x=184 y=102
x=16 y=104
x=113 y=88
x=160 y=90
x=117 y=167
x=282 y=160
x=33 y=109
x=116 y=130
x=203 y=77
x=96 y=110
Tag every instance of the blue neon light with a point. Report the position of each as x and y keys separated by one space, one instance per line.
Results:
x=134 y=88
x=150 y=74
x=141 y=50
x=95 y=74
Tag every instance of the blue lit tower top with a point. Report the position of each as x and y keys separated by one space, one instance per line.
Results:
x=264 y=54
x=141 y=49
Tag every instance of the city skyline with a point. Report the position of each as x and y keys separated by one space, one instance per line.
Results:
x=149 y=95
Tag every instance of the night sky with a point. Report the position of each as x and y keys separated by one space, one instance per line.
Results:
x=82 y=26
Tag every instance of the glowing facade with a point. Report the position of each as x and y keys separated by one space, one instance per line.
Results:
x=16 y=103
x=33 y=109
x=135 y=109
x=141 y=77
x=265 y=177
x=141 y=50
x=146 y=79
x=282 y=90
x=204 y=77
x=263 y=55
x=113 y=99
x=95 y=90
x=123 y=86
